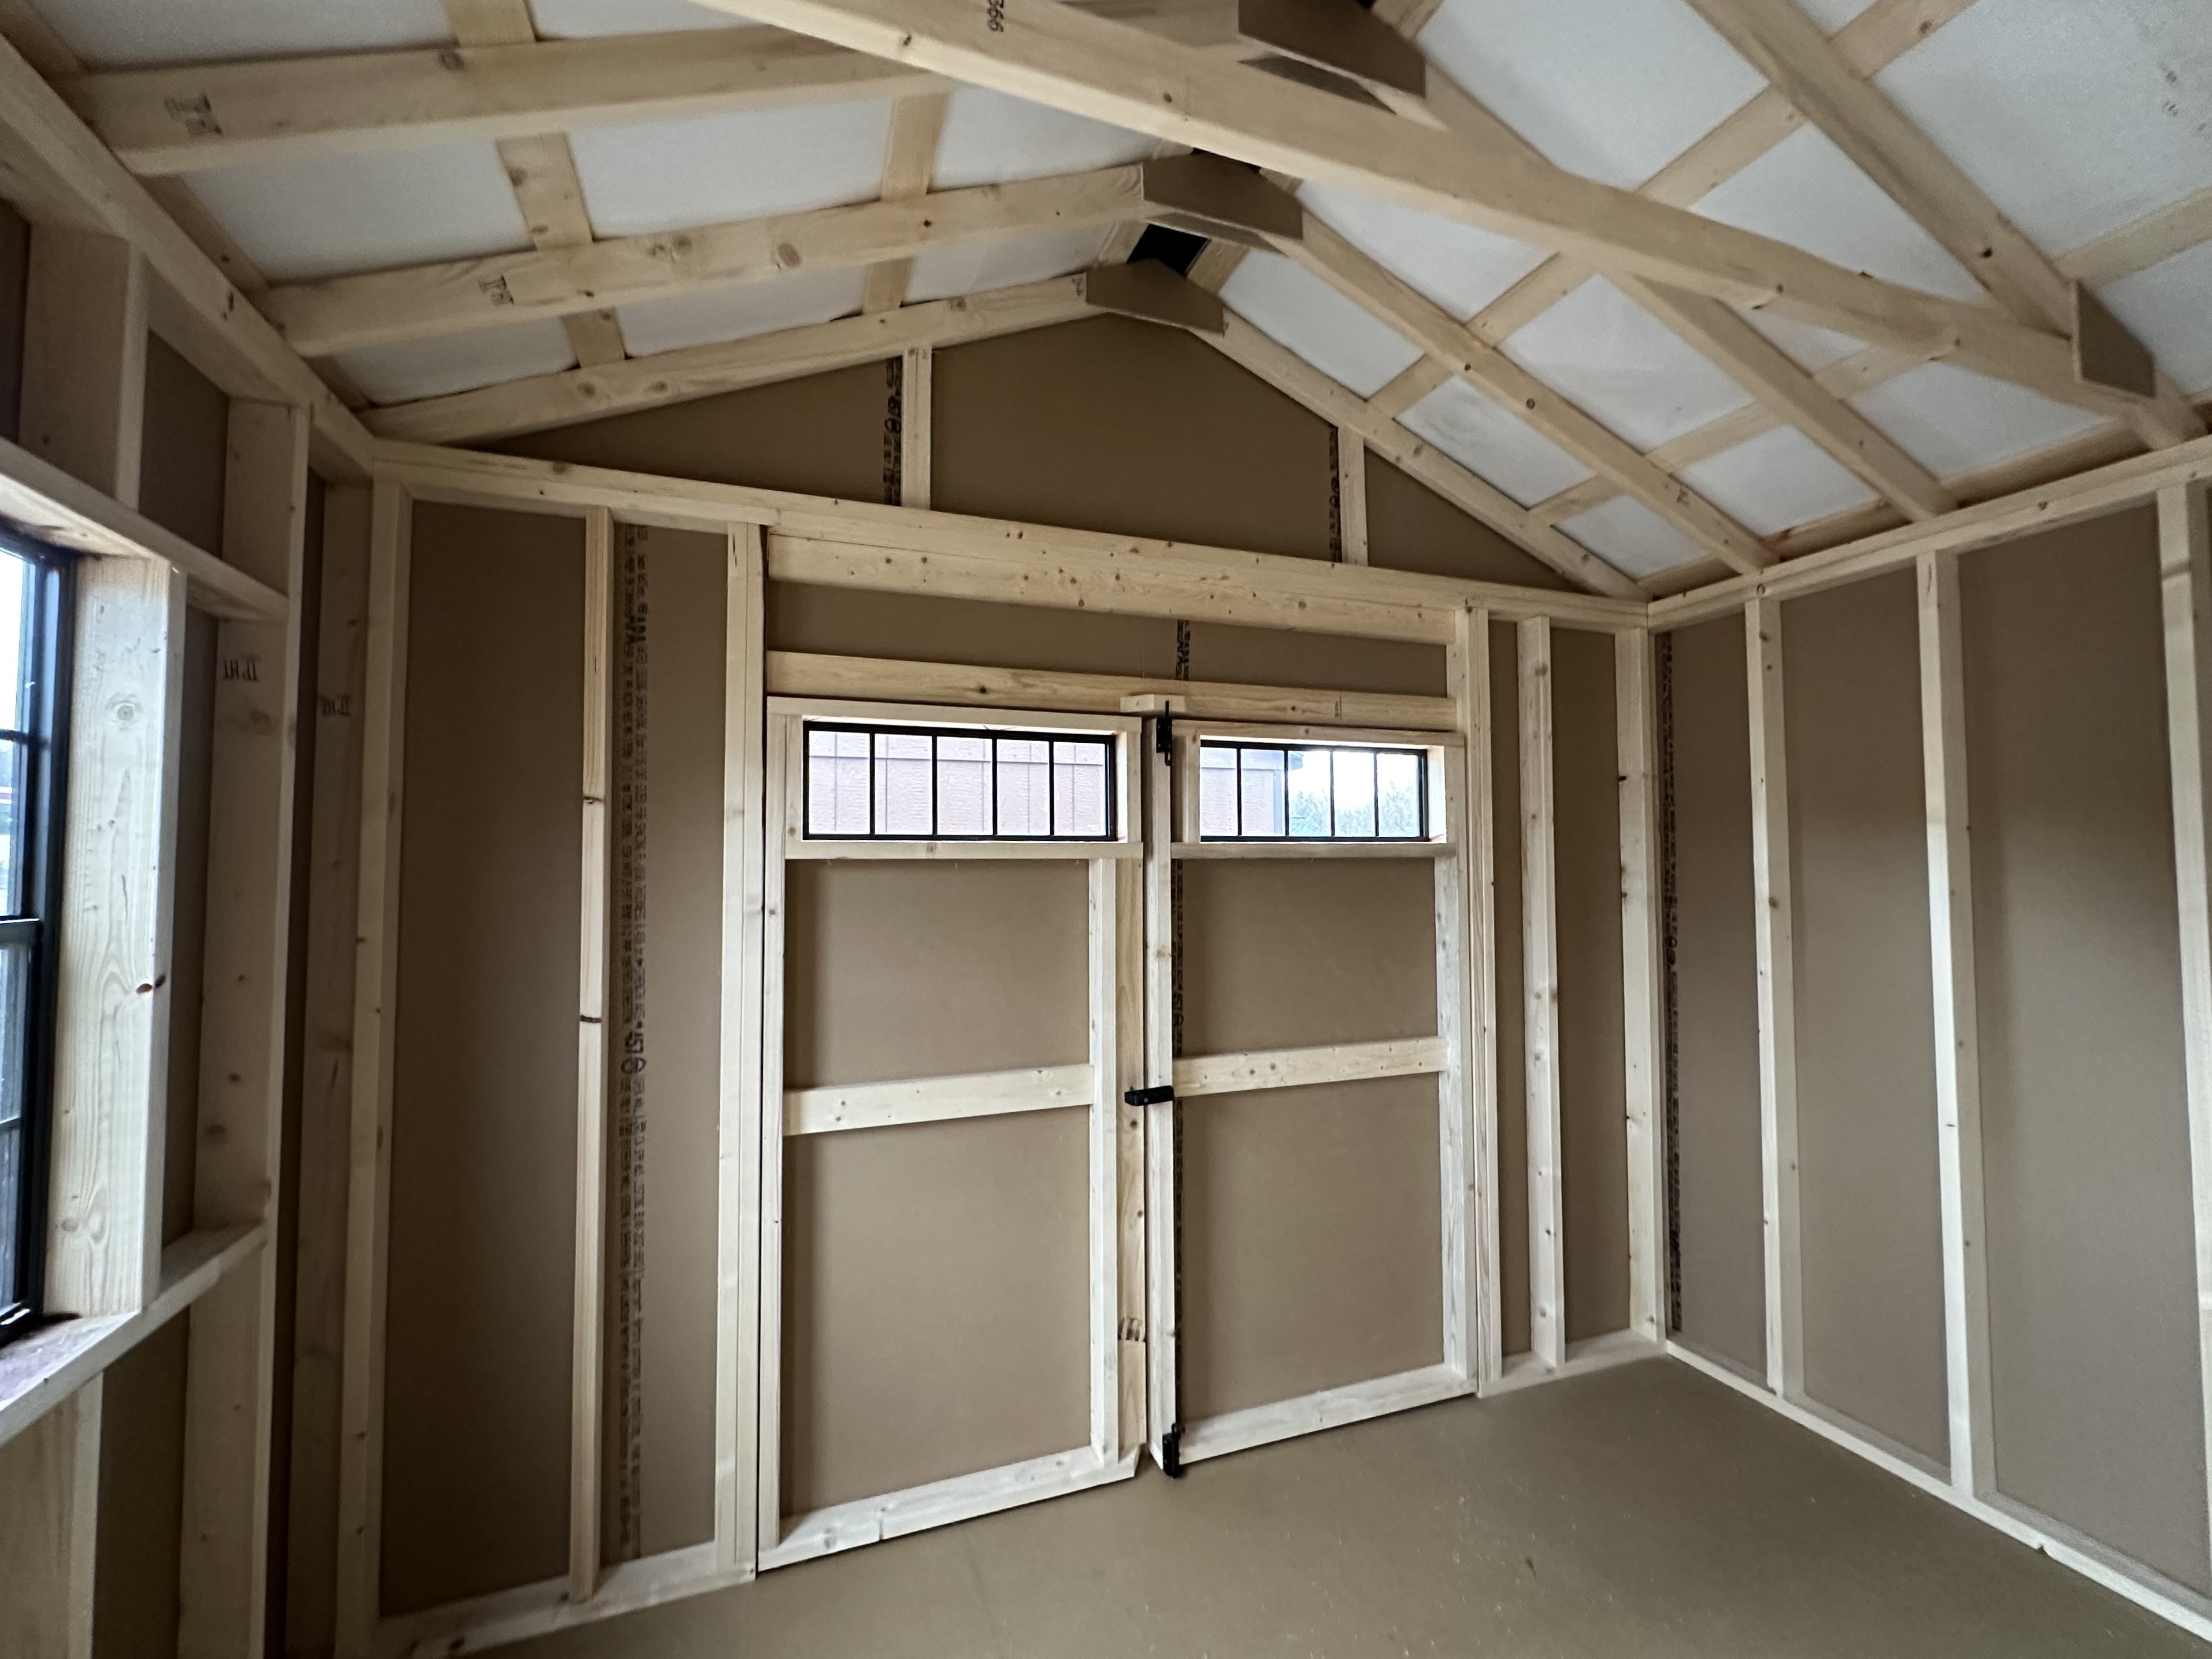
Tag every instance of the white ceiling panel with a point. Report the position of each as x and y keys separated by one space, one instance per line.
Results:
x=1608 y=353
x=1459 y=267
x=458 y=362
x=1490 y=441
x=1612 y=91
x=1953 y=421
x=975 y=267
x=1808 y=346
x=1631 y=538
x=1313 y=319
x=667 y=175
x=989 y=138
x=737 y=314
x=110 y=34
x=319 y=216
x=2170 y=308
x=1833 y=15
x=1808 y=193
x=2075 y=117
x=1779 y=479
x=569 y=19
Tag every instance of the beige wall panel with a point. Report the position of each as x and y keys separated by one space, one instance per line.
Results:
x=142 y=1499
x=1869 y=1212
x=1411 y=527
x=935 y=1310
x=15 y=276
x=895 y=970
x=485 y=1088
x=1263 y=656
x=2094 y=1365
x=1719 y=1238
x=187 y=439
x=1593 y=1096
x=687 y=581
x=1512 y=1019
x=188 y=925
x=851 y=622
x=1117 y=425
x=1294 y=953
x=1311 y=1241
x=822 y=434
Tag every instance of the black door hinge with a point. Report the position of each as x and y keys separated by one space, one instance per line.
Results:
x=1160 y=1096
x=1171 y=1452
x=1163 y=735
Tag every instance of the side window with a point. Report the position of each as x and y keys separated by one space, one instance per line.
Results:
x=33 y=636
x=958 y=783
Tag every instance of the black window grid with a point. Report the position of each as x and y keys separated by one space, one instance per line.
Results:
x=1241 y=748
x=874 y=731
x=39 y=743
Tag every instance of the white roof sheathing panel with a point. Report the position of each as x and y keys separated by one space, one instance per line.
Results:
x=1808 y=193
x=458 y=362
x=2075 y=117
x=1631 y=538
x=2169 y=306
x=1459 y=267
x=1833 y=15
x=319 y=216
x=114 y=34
x=737 y=314
x=667 y=175
x=1490 y=442
x=1953 y=421
x=1602 y=351
x=569 y=19
x=1609 y=90
x=989 y=138
x=1313 y=320
x=1003 y=262
x=1809 y=346
x=1777 y=480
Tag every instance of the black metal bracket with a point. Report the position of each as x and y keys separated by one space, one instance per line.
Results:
x=1171 y=1452
x=1155 y=1097
x=1163 y=735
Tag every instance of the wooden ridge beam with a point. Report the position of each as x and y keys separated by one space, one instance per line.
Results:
x=570 y=395
x=1056 y=55
x=343 y=313
x=1786 y=46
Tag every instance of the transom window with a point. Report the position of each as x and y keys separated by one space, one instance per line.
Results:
x=967 y=783
x=1310 y=791
x=32 y=602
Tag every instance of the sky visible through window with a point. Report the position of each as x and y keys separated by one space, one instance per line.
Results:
x=1285 y=792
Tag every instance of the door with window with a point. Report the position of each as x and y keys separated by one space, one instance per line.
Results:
x=1310 y=1143
x=951 y=1237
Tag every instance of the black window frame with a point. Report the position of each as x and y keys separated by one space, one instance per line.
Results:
x=1107 y=742
x=1286 y=747
x=46 y=737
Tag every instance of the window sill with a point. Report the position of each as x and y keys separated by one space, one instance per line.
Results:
x=44 y=1368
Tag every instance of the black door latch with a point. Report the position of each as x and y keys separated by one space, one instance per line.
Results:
x=1155 y=1097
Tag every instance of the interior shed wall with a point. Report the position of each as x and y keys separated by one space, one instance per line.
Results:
x=1718 y=1240
x=1593 y=1077
x=2094 y=1363
x=482 y=1182
x=1870 y=1212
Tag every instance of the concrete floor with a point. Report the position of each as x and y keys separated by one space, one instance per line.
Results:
x=1646 y=1511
